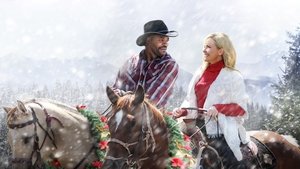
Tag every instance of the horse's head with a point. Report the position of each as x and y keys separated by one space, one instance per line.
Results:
x=134 y=125
x=126 y=113
x=44 y=131
x=21 y=122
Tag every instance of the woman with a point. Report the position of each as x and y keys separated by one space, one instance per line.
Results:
x=218 y=87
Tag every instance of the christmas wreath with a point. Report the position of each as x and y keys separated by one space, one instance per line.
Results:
x=179 y=145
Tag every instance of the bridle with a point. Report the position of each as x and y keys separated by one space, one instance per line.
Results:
x=133 y=159
x=48 y=133
x=36 y=148
x=203 y=144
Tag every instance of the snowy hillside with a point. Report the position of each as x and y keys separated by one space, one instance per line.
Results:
x=46 y=72
x=270 y=65
x=25 y=71
x=259 y=90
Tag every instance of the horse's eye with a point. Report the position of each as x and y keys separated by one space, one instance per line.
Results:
x=26 y=139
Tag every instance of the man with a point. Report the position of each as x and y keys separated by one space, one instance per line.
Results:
x=153 y=68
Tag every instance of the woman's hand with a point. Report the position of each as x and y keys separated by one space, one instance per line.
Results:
x=252 y=146
x=178 y=112
x=212 y=112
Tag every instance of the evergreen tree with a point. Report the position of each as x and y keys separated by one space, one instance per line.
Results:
x=286 y=98
x=257 y=115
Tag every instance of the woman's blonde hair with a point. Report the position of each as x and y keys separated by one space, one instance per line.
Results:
x=222 y=41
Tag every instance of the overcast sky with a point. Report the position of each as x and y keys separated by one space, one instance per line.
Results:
x=107 y=29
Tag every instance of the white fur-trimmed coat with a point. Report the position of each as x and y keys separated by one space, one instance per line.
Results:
x=228 y=87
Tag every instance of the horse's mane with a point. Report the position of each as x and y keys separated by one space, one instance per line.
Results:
x=56 y=103
x=125 y=102
x=291 y=140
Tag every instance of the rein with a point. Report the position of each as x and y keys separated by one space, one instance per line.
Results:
x=200 y=110
x=132 y=159
x=104 y=113
x=203 y=144
x=36 y=148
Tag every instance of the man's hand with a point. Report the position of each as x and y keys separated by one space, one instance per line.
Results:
x=117 y=91
x=121 y=92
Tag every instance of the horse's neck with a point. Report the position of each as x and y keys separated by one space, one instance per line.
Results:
x=58 y=111
x=54 y=103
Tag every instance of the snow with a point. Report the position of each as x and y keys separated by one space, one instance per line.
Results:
x=69 y=51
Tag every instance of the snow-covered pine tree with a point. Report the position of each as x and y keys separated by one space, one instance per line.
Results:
x=286 y=98
x=257 y=116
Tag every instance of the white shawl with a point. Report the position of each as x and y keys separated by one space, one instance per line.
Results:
x=228 y=87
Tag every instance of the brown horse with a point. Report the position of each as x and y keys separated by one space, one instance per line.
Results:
x=286 y=153
x=42 y=131
x=139 y=136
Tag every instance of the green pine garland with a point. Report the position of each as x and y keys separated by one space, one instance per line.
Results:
x=177 y=146
x=99 y=131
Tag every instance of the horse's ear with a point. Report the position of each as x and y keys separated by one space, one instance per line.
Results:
x=21 y=107
x=139 y=95
x=7 y=109
x=112 y=95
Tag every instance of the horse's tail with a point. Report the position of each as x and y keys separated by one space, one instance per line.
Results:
x=291 y=140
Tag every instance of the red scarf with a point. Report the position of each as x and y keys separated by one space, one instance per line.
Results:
x=201 y=89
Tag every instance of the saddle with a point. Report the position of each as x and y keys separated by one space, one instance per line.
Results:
x=265 y=159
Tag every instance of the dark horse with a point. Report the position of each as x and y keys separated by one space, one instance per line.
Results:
x=287 y=154
x=139 y=136
x=274 y=151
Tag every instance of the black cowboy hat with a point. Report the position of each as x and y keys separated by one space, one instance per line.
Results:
x=154 y=27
